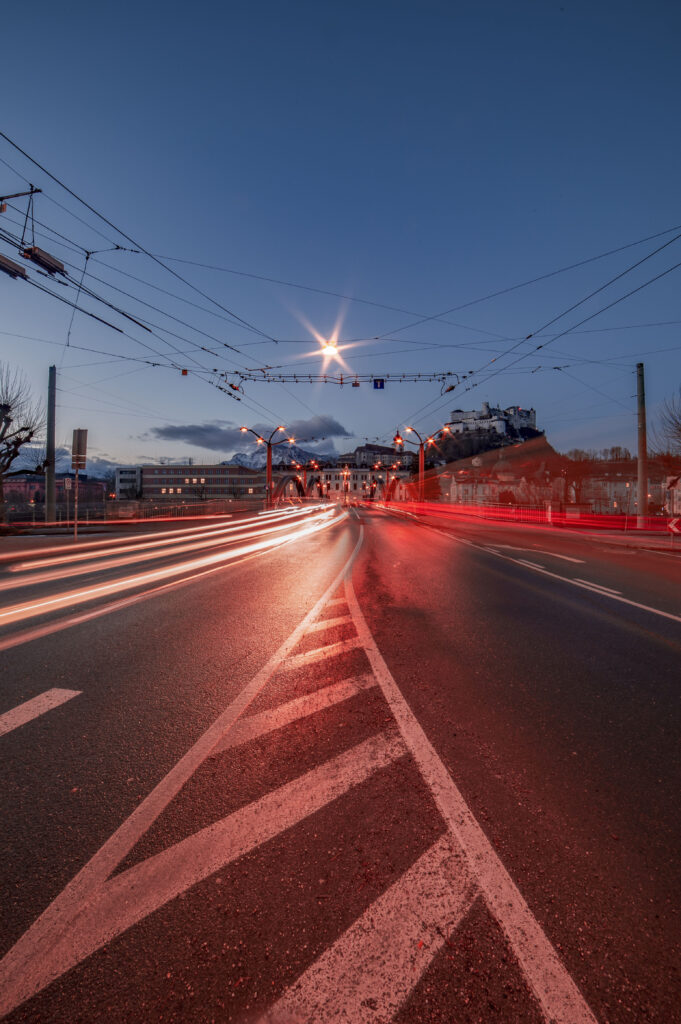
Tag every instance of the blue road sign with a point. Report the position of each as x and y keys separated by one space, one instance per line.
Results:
x=379 y=383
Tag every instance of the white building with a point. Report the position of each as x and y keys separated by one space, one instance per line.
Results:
x=492 y=418
x=128 y=482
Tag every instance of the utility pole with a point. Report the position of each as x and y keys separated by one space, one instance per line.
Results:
x=50 y=468
x=642 y=485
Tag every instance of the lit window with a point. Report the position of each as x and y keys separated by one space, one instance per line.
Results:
x=171 y=490
x=163 y=490
x=186 y=479
x=193 y=480
x=179 y=490
x=250 y=490
x=203 y=479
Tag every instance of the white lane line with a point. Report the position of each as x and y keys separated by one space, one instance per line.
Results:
x=613 y=595
x=597 y=586
x=254 y=726
x=565 y=558
x=322 y=624
x=330 y=651
x=34 y=708
x=379 y=960
x=532 y=565
x=71 y=930
x=493 y=550
x=560 y=1000
x=334 y=602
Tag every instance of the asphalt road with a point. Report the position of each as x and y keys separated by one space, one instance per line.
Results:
x=331 y=768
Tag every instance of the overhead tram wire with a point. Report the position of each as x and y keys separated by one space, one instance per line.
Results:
x=550 y=341
x=138 y=245
x=407 y=312
x=135 y=298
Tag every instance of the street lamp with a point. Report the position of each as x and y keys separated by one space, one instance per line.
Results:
x=421 y=445
x=270 y=445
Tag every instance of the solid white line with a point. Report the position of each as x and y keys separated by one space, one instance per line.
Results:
x=319 y=653
x=71 y=930
x=254 y=726
x=559 y=998
x=565 y=558
x=322 y=624
x=604 y=593
x=34 y=708
x=335 y=601
x=532 y=565
x=597 y=586
x=381 y=957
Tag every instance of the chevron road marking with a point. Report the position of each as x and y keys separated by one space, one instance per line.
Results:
x=319 y=653
x=48 y=948
x=247 y=729
x=556 y=993
x=381 y=957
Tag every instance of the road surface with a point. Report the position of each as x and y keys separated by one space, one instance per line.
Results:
x=340 y=766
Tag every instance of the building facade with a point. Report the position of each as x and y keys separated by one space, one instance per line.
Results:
x=188 y=483
x=500 y=421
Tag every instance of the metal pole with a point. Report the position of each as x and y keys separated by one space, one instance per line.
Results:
x=268 y=484
x=50 y=480
x=642 y=483
x=421 y=471
x=75 y=509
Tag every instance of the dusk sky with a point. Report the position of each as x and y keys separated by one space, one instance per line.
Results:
x=374 y=167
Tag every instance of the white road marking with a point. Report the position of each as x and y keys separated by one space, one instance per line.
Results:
x=318 y=627
x=597 y=586
x=335 y=601
x=565 y=558
x=613 y=595
x=254 y=726
x=330 y=651
x=34 y=708
x=560 y=1000
x=33 y=960
x=532 y=565
x=381 y=957
x=69 y=931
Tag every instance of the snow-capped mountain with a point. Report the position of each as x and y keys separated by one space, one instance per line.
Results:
x=282 y=454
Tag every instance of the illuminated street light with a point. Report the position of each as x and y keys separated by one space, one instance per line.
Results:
x=270 y=445
x=398 y=440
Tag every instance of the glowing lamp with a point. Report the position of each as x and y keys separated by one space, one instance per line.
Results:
x=329 y=349
x=243 y=430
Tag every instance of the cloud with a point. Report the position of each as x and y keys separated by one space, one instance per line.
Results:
x=222 y=436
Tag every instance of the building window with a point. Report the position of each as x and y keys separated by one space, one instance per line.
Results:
x=179 y=490
x=163 y=490
x=250 y=490
x=171 y=490
x=186 y=479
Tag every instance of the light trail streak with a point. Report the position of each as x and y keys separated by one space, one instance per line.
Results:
x=31 y=609
x=94 y=564
x=93 y=553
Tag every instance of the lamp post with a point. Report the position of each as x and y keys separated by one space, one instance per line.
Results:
x=421 y=446
x=270 y=445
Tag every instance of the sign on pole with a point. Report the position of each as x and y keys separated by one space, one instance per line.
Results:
x=78 y=458
x=67 y=483
x=79 y=449
x=674 y=525
x=379 y=383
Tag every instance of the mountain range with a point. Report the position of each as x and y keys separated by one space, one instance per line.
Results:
x=281 y=455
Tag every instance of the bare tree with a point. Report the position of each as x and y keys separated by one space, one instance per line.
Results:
x=669 y=432
x=21 y=421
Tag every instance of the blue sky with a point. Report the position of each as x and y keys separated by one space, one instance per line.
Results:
x=413 y=155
